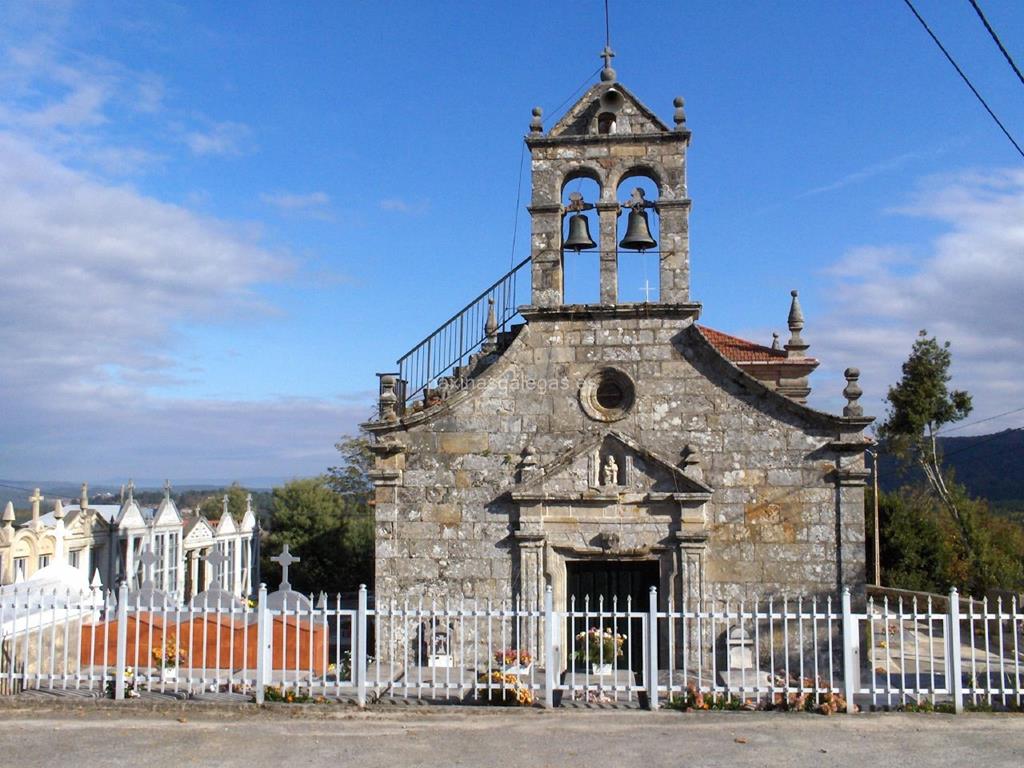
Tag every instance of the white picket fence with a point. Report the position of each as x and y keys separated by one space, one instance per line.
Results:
x=786 y=652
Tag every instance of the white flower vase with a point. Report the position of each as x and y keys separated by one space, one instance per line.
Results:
x=600 y=669
x=169 y=674
x=518 y=669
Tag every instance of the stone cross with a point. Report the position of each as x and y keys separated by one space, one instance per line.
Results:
x=83 y=500
x=148 y=560
x=131 y=491
x=286 y=559
x=607 y=73
x=217 y=559
x=35 y=498
x=167 y=490
x=224 y=505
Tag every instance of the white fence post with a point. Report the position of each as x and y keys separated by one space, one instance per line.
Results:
x=954 y=669
x=851 y=646
x=550 y=664
x=264 y=653
x=652 y=651
x=122 y=640
x=359 y=662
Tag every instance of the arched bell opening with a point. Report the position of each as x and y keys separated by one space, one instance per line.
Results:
x=580 y=235
x=638 y=233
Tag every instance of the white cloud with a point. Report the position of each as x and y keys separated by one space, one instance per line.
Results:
x=225 y=138
x=966 y=286
x=314 y=205
x=400 y=205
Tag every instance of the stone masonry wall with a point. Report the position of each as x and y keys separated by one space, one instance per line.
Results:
x=445 y=520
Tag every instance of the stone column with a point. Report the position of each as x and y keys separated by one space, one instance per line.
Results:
x=546 y=249
x=674 y=273
x=193 y=570
x=608 y=243
x=129 y=563
x=691 y=558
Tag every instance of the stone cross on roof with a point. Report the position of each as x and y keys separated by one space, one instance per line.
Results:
x=131 y=491
x=217 y=559
x=58 y=532
x=35 y=498
x=224 y=504
x=285 y=559
x=167 y=490
x=148 y=560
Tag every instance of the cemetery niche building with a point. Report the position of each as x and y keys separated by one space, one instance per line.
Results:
x=606 y=448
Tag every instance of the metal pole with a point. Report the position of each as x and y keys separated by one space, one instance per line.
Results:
x=359 y=665
x=122 y=640
x=878 y=535
x=954 y=664
x=550 y=669
x=652 y=651
x=264 y=660
x=851 y=666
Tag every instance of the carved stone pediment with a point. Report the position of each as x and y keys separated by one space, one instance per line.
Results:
x=609 y=469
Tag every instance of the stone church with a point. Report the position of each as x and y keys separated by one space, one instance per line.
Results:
x=608 y=447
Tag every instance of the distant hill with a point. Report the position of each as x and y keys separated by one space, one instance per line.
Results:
x=989 y=466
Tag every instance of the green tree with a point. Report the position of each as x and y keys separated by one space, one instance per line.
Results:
x=351 y=478
x=213 y=505
x=332 y=534
x=920 y=404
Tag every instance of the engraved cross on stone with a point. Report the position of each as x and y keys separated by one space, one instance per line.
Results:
x=285 y=559
x=217 y=559
x=148 y=560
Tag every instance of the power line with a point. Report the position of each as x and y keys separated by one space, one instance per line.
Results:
x=942 y=432
x=963 y=76
x=992 y=32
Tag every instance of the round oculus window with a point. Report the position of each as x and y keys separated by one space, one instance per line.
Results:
x=607 y=394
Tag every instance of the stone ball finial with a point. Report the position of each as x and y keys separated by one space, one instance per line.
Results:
x=680 y=113
x=537 y=123
x=775 y=340
x=852 y=393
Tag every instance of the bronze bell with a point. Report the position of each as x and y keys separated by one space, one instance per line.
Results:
x=638 y=233
x=579 y=234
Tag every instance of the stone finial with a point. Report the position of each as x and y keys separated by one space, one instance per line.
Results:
x=224 y=506
x=388 y=400
x=528 y=463
x=607 y=73
x=852 y=393
x=83 y=497
x=491 y=326
x=35 y=498
x=248 y=503
x=537 y=123
x=167 y=490
x=680 y=113
x=8 y=518
x=796 y=346
x=131 y=490
x=775 y=341
x=58 y=510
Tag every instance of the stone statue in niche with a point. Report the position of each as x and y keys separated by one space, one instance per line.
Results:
x=610 y=471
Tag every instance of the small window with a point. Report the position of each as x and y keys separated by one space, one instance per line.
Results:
x=44 y=560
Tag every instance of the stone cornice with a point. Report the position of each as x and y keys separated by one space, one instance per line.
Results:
x=605 y=311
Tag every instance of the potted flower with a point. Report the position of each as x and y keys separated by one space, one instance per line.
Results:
x=169 y=656
x=503 y=689
x=600 y=648
x=514 y=661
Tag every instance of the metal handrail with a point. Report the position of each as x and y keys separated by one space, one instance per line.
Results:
x=459 y=337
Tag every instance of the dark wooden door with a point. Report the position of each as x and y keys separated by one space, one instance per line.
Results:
x=621 y=584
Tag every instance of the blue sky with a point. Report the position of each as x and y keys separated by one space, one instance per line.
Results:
x=219 y=221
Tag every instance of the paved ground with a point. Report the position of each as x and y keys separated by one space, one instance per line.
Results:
x=444 y=736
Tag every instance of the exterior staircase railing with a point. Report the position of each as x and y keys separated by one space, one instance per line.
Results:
x=451 y=345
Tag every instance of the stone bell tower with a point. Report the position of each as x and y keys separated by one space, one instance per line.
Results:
x=609 y=136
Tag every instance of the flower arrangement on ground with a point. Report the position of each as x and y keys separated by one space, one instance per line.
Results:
x=170 y=654
x=514 y=660
x=599 y=646
x=504 y=689
x=129 y=685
